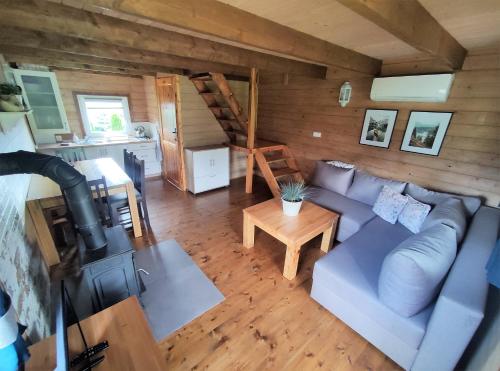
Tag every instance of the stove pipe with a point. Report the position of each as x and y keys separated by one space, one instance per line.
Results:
x=73 y=184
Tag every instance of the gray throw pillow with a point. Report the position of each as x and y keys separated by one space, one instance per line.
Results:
x=433 y=198
x=332 y=178
x=452 y=213
x=412 y=273
x=414 y=214
x=389 y=204
x=366 y=188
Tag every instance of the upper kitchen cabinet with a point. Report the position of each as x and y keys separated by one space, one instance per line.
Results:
x=41 y=93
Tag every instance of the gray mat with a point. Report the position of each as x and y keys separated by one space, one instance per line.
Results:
x=177 y=291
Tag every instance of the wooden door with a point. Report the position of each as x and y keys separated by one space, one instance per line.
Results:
x=171 y=132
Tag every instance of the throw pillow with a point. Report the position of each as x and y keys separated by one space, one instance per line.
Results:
x=433 y=198
x=452 y=213
x=414 y=214
x=332 y=178
x=341 y=164
x=366 y=188
x=412 y=273
x=389 y=204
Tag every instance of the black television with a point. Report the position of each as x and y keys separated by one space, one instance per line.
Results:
x=85 y=360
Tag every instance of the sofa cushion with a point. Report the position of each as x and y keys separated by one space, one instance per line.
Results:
x=433 y=198
x=351 y=272
x=365 y=187
x=389 y=204
x=333 y=178
x=452 y=213
x=353 y=214
x=414 y=214
x=412 y=273
x=341 y=164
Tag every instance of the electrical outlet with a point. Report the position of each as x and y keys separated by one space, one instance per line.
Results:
x=317 y=134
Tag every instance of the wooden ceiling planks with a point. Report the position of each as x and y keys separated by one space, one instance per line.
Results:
x=68 y=21
x=229 y=23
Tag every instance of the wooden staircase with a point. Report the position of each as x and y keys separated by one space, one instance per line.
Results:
x=277 y=165
x=221 y=101
x=275 y=160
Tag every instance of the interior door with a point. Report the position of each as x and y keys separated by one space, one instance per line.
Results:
x=170 y=135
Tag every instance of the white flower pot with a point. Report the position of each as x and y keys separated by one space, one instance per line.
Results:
x=291 y=208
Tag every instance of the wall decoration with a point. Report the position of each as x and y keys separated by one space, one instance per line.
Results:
x=378 y=127
x=425 y=132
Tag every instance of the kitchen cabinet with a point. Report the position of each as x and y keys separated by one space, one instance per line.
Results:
x=42 y=95
x=207 y=168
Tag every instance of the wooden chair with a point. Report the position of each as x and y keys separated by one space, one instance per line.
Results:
x=97 y=188
x=128 y=159
x=119 y=202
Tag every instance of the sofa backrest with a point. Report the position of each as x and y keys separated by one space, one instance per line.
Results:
x=461 y=303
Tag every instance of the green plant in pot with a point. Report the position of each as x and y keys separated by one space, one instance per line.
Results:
x=11 y=99
x=292 y=195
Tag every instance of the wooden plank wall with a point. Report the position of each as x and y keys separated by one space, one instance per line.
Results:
x=469 y=159
x=200 y=126
x=87 y=82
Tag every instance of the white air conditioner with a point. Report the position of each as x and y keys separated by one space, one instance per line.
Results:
x=421 y=88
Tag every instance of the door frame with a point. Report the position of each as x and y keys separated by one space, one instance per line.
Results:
x=179 y=131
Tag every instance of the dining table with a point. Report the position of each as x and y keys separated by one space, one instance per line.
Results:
x=44 y=194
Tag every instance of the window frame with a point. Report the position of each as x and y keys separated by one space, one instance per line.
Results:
x=81 y=97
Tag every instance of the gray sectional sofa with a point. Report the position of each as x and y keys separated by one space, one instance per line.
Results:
x=345 y=281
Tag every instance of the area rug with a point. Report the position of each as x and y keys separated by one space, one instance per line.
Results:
x=177 y=291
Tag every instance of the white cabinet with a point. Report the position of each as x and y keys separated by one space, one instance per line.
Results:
x=207 y=168
x=41 y=94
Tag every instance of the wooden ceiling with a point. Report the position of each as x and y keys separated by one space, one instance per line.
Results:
x=315 y=38
x=473 y=23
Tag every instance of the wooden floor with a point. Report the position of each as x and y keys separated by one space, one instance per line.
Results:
x=265 y=321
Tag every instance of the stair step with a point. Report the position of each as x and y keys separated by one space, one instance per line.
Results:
x=236 y=131
x=209 y=93
x=285 y=171
x=276 y=158
x=201 y=76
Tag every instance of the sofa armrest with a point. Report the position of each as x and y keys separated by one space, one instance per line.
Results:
x=460 y=306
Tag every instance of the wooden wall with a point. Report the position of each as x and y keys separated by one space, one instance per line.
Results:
x=469 y=159
x=201 y=127
x=86 y=82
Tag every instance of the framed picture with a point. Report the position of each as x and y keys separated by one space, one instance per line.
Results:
x=425 y=132
x=377 y=127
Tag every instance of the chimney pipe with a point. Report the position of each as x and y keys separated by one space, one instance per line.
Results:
x=73 y=184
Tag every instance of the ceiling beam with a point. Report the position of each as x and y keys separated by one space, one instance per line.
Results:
x=235 y=25
x=53 y=42
x=68 y=21
x=31 y=55
x=410 y=22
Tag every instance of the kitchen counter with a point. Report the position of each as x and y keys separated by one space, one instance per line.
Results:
x=94 y=143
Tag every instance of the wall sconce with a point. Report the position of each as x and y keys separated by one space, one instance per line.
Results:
x=345 y=94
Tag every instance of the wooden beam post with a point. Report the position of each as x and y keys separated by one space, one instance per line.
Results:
x=253 y=97
x=410 y=22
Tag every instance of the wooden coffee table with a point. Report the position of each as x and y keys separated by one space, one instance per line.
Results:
x=293 y=231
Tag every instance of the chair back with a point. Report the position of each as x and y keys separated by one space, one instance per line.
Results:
x=97 y=188
x=139 y=177
x=128 y=160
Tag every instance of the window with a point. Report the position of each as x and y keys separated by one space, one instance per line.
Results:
x=104 y=115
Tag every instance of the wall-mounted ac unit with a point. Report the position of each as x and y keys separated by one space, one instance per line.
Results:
x=421 y=88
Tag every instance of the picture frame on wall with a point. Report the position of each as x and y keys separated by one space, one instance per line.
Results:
x=378 y=126
x=425 y=132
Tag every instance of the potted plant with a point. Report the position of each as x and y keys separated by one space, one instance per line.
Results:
x=11 y=99
x=292 y=195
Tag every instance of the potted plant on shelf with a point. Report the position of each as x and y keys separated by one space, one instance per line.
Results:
x=11 y=99
x=292 y=195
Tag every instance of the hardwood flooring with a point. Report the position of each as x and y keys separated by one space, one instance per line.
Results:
x=265 y=321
